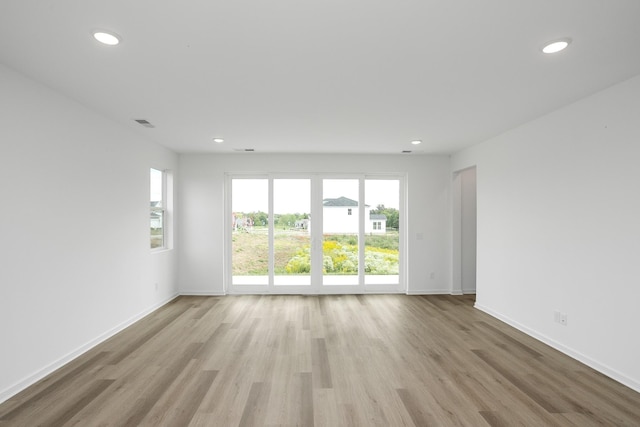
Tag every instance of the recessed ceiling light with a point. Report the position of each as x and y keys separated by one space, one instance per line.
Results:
x=218 y=140
x=107 y=38
x=556 y=45
x=416 y=142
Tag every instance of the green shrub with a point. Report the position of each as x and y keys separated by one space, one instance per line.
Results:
x=327 y=263
x=380 y=261
x=298 y=265
x=341 y=258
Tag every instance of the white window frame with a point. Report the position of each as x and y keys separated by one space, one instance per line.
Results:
x=162 y=209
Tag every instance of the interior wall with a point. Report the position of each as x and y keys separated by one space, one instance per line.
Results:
x=558 y=228
x=74 y=227
x=202 y=210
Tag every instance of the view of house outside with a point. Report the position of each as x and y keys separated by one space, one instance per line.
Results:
x=292 y=225
x=382 y=243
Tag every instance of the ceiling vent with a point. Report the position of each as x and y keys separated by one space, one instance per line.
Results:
x=406 y=151
x=244 y=149
x=144 y=123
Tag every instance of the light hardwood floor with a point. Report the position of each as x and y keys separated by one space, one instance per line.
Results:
x=375 y=360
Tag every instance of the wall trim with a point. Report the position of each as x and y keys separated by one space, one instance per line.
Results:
x=201 y=294
x=600 y=367
x=431 y=292
x=40 y=374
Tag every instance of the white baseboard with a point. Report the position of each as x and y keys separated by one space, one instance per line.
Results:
x=431 y=292
x=201 y=294
x=37 y=376
x=600 y=367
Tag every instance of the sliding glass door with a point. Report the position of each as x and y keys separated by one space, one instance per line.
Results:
x=382 y=232
x=291 y=232
x=250 y=231
x=340 y=232
x=314 y=234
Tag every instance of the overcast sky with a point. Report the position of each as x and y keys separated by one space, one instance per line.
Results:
x=293 y=195
x=155 y=178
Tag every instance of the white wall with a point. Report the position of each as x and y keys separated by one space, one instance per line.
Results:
x=559 y=228
x=74 y=221
x=201 y=201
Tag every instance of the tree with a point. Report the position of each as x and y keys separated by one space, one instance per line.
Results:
x=287 y=220
x=259 y=218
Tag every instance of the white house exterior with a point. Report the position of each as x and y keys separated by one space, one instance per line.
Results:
x=378 y=224
x=340 y=216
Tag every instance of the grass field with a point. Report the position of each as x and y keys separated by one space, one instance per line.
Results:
x=251 y=250
x=157 y=238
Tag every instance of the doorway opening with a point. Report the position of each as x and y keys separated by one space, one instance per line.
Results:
x=464 y=231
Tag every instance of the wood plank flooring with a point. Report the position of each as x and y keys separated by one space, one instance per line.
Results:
x=375 y=360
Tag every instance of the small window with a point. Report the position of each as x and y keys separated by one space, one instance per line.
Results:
x=157 y=208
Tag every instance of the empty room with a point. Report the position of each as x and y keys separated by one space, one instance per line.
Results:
x=296 y=213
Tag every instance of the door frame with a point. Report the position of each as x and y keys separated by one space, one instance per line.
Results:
x=316 y=286
x=464 y=252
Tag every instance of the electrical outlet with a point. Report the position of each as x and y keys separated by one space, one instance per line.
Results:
x=563 y=319
x=556 y=316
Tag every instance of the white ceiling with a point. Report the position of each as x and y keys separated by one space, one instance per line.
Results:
x=348 y=76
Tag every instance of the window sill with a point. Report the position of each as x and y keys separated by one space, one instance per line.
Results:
x=160 y=250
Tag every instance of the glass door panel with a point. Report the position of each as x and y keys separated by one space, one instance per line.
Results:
x=340 y=229
x=291 y=232
x=250 y=231
x=382 y=232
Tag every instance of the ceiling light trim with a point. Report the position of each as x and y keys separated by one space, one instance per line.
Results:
x=557 y=45
x=106 y=37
